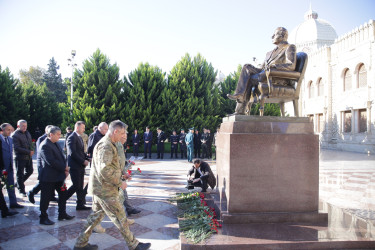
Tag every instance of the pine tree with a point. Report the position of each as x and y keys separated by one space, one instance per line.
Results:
x=54 y=81
x=143 y=98
x=96 y=91
x=227 y=87
x=40 y=108
x=191 y=97
x=11 y=106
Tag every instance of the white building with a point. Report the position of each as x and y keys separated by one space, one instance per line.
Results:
x=338 y=90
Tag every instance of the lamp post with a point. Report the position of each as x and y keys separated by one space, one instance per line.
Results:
x=72 y=63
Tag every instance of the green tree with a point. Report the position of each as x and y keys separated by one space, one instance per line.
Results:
x=96 y=91
x=54 y=81
x=40 y=108
x=143 y=98
x=34 y=74
x=227 y=87
x=10 y=104
x=191 y=97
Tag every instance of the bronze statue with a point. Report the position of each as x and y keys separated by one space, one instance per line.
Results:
x=250 y=85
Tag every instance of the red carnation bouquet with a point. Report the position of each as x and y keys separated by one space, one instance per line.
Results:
x=4 y=181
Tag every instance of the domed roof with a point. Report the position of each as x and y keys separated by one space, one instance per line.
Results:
x=313 y=32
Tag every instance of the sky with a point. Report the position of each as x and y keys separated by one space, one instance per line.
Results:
x=225 y=32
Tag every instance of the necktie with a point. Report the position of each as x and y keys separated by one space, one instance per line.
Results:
x=7 y=140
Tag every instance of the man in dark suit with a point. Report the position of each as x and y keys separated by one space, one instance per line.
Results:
x=197 y=144
x=52 y=175
x=160 y=143
x=96 y=136
x=37 y=187
x=200 y=175
x=174 y=143
x=77 y=161
x=7 y=151
x=147 y=138
x=135 y=140
x=182 y=143
x=24 y=151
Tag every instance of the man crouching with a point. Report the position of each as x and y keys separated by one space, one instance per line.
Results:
x=105 y=180
x=200 y=175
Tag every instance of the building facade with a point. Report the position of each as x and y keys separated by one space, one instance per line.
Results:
x=338 y=90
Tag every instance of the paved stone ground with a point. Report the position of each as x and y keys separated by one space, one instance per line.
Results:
x=346 y=180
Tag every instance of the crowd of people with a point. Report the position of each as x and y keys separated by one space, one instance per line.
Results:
x=189 y=145
x=105 y=155
x=104 y=152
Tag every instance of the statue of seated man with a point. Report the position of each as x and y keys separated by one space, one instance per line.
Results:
x=282 y=58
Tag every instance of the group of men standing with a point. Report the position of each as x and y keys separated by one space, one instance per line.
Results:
x=192 y=144
x=106 y=174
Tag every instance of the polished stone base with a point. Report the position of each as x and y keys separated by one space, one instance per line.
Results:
x=268 y=170
x=341 y=231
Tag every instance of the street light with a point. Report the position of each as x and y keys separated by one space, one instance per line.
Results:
x=73 y=65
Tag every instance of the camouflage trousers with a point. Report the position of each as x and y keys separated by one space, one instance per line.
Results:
x=113 y=208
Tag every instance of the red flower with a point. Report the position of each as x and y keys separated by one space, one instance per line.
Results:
x=129 y=172
x=139 y=170
x=33 y=140
x=5 y=173
x=63 y=187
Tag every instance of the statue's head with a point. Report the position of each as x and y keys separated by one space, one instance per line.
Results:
x=280 y=35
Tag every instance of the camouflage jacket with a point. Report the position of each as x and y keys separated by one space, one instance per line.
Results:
x=105 y=174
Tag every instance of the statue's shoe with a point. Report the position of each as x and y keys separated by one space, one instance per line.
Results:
x=234 y=96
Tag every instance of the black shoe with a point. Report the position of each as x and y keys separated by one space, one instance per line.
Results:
x=87 y=247
x=65 y=217
x=46 y=221
x=30 y=195
x=143 y=246
x=204 y=190
x=16 y=206
x=7 y=213
x=133 y=211
x=83 y=208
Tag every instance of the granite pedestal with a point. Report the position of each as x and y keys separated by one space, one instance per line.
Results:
x=268 y=170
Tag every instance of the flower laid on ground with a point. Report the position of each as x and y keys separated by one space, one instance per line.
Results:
x=4 y=181
x=199 y=220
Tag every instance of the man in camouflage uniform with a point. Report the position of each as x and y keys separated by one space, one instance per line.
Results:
x=105 y=180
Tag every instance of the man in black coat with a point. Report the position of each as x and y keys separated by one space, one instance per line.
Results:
x=147 y=138
x=160 y=143
x=200 y=175
x=174 y=143
x=3 y=206
x=37 y=187
x=182 y=143
x=52 y=175
x=197 y=144
x=24 y=151
x=135 y=140
x=95 y=137
x=77 y=161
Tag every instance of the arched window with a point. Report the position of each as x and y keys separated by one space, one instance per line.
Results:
x=320 y=87
x=311 y=89
x=362 y=76
x=347 y=80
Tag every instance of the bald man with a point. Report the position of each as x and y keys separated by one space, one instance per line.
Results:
x=95 y=137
